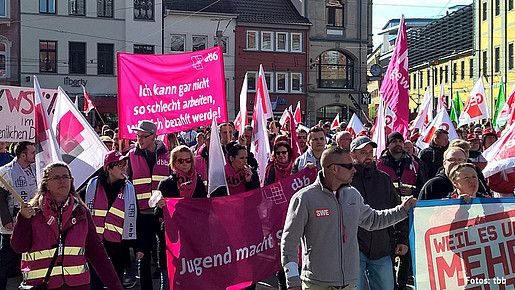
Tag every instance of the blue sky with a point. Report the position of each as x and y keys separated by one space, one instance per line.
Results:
x=384 y=10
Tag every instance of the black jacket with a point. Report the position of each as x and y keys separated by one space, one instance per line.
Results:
x=378 y=192
x=437 y=187
x=432 y=157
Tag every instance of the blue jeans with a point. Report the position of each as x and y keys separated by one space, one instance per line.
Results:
x=378 y=273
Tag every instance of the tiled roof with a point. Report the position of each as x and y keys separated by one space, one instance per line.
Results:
x=260 y=11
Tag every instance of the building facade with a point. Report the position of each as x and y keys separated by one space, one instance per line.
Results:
x=10 y=42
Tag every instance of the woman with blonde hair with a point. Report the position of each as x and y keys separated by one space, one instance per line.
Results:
x=57 y=237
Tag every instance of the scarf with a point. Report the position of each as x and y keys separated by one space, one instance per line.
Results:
x=186 y=182
x=281 y=170
x=55 y=213
x=235 y=180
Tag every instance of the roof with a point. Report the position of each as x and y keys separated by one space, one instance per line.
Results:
x=258 y=11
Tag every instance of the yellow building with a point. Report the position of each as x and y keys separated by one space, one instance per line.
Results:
x=494 y=41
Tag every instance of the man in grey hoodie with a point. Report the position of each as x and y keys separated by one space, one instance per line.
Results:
x=325 y=217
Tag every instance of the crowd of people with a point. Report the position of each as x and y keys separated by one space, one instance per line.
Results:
x=67 y=237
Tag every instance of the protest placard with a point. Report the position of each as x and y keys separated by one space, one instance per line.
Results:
x=177 y=92
x=458 y=245
x=228 y=242
x=17 y=112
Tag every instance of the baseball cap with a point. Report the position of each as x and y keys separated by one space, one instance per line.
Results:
x=360 y=142
x=146 y=126
x=394 y=136
x=489 y=131
x=473 y=136
x=113 y=156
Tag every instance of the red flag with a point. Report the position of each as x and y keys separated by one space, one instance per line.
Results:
x=442 y=100
x=262 y=96
x=88 y=104
x=355 y=126
x=336 y=122
x=476 y=107
x=298 y=114
x=443 y=121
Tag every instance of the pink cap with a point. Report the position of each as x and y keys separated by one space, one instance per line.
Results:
x=113 y=156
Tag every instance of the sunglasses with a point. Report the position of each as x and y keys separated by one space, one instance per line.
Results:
x=348 y=166
x=182 y=160
x=281 y=152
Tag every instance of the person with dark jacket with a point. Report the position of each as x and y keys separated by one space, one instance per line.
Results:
x=432 y=156
x=376 y=247
x=111 y=199
x=184 y=182
x=239 y=175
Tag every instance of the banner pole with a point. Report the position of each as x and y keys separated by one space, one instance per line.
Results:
x=11 y=190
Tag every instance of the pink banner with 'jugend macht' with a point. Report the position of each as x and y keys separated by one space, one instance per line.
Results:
x=228 y=242
x=177 y=92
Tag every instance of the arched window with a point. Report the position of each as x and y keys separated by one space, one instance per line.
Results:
x=3 y=60
x=335 y=70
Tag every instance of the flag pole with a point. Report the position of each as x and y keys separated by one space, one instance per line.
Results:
x=101 y=119
x=11 y=190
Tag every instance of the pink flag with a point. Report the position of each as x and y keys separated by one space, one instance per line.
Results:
x=395 y=86
x=422 y=119
x=336 y=122
x=295 y=145
x=298 y=114
x=443 y=121
x=240 y=236
x=47 y=148
x=243 y=121
x=442 y=100
x=355 y=126
x=476 y=107
x=501 y=155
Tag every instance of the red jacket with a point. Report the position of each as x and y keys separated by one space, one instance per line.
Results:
x=81 y=243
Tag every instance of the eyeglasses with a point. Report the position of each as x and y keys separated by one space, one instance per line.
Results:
x=143 y=136
x=182 y=160
x=60 y=177
x=281 y=152
x=348 y=166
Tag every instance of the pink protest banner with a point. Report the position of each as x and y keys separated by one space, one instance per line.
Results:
x=228 y=242
x=177 y=92
x=17 y=112
x=458 y=245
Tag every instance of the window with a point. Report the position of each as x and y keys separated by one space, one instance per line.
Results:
x=510 y=5
x=105 y=8
x=281 y=43
x=144 y=9
x=471 y=67
x=177 y=43
x=3 y=60
x=462 y=69
x=296 y=82
x=454 y=72
x=441 y=74
x=77 y=57
x=435 y=75
x=223 y=41
x=428 y=76
x=198 y=42
x=296 y=42
x=105 y=63
x=334 y=13
x=268 y=79
x=485 y=12
x=76 y=7
x=251 y=81
x=414 y=81
x=281 y=82
x=46 y=6
x=3 y=8
x=421 y=85
x=48 y=56
x=485 y=62
x=446 y=74
x=252 y=40
x=335 y=70
x=143 y=49
x=266 y=40
x=510 y=55
x=497 y=7
x=497 y=55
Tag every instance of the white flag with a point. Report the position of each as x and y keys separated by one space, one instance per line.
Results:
x=355 y=126
x=243 y=107
x=504 y=115
x=216 y=170
x=422 y=119
x=336 y=122
x=476 y=107
x=501 y=155
x=379 y=134
x=260 y=145
x=442 y=100
x=47 y=149
x=81 y=148
x=441 y=121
